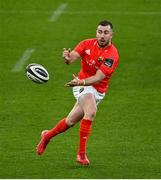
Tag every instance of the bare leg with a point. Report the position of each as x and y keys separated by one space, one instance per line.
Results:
x=75 y=115
x=88 y=104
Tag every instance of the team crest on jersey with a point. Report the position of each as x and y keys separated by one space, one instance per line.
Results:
x=100 y=59
x=108 y=62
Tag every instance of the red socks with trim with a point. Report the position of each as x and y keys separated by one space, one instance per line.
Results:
x=85 y=129
x=60 y=127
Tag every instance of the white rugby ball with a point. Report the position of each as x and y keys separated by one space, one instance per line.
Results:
x=37 y=73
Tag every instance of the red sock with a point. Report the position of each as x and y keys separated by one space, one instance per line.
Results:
x=60 y=127
x=85 y=129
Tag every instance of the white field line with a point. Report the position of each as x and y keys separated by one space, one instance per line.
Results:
x=60 y=10
x=57 y=13
x=21 y=62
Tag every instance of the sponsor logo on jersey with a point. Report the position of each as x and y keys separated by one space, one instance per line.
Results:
x=88 y=51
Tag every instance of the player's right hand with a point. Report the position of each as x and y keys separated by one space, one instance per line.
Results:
x=66 y=55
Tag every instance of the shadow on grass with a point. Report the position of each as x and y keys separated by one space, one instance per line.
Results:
x=79 y=166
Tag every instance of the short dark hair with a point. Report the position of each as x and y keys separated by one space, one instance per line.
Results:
x=105 y=23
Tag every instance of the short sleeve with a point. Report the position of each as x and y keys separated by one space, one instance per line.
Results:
x=80 y=48
x=109 y=65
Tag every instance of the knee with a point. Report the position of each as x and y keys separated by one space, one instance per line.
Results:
x=91 y=114
x=70 y=121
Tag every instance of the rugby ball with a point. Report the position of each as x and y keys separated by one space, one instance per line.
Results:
x=37 y=73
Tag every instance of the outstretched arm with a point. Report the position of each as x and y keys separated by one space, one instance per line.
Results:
x=99 y=76
x=70 y=57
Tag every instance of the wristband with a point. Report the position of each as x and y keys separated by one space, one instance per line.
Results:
x=82 y=82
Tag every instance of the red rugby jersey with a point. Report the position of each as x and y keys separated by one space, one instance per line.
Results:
x=94 y=58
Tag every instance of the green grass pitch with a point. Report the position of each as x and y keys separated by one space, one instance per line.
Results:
x=126 y=138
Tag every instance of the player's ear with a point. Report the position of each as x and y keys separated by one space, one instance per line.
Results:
x=112 y=33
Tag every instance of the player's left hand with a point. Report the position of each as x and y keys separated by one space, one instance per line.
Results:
x=75 y=82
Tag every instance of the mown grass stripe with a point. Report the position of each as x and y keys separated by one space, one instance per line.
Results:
x=21 y=62
x=57 y=13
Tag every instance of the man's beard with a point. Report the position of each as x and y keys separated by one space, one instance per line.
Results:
x=103 y=45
